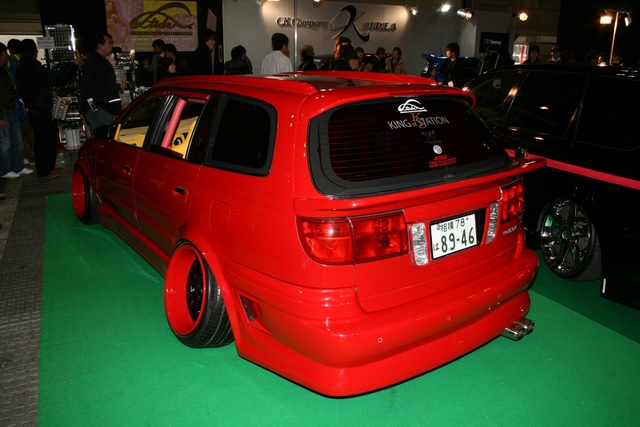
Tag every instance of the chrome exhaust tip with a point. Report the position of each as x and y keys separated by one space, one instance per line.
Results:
x=519 y=329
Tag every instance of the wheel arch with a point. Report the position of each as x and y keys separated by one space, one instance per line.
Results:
x=211 y=256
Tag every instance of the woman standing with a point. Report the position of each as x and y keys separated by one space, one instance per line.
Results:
x=306 y=56
x=395 y=64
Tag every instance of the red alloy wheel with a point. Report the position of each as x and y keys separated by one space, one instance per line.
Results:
x=185 y=290
x=79 y=193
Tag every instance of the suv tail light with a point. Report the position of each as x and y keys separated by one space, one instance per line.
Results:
x=512 y=202
x=353 y=240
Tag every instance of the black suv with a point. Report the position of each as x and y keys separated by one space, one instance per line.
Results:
x=583 y=205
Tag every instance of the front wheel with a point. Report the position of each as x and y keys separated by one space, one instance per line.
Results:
x=193 y=303
x=569 y=242
x=84 y=198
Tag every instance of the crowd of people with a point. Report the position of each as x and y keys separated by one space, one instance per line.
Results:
x=28 y=130
x=567 y=56
x=345 y=57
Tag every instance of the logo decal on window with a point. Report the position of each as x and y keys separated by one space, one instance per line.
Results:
x=411 y=106
x=443 y=160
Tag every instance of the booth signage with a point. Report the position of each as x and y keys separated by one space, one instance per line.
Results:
x=134 y=24
x=344 y=20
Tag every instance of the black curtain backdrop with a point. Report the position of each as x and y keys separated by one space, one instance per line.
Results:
x=580 y=29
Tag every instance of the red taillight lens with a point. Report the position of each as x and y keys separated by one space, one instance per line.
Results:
x=512 y=201
x=380 y=237
x=331 y=241
x=328 y=241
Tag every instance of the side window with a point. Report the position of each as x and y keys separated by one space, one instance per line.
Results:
x=607 y=120
x=202 y=134
x=492 y=95
x=547 y=102
x=245 y=137
x=133 y=129
x=180 y=126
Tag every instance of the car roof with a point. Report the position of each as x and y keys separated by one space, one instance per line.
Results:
x=311 y=82
x=630 y=71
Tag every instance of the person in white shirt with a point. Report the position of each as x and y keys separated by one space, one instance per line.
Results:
x=278 y=60
x=556 y=54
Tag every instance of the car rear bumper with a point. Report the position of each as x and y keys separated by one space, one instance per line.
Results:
x=348 y=353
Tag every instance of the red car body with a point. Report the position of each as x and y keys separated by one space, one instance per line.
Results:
x=319 y=260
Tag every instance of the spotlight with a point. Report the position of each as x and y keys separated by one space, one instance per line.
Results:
x=627 y=19
x=523 y=16
x=445 y=7
x=606 y=19
x=465 y=14
x=414 y=11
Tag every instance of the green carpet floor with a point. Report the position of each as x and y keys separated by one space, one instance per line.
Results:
x=108 y=358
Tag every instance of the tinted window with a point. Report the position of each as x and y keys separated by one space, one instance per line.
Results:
x=606 y=118
x=200 y=140
x=175 y=137
x=492 y=94
x=547 y=102
x=394 y=144
x=244 y=138
x=133 y=128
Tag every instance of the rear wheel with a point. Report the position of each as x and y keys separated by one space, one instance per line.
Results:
x=569 y=242
x=84 y=198
x=193 y=302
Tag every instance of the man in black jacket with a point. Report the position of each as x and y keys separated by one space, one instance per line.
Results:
x=202 y=60
x=452 y=68
x=34 y=82
x=11 y=161
x=99 y=93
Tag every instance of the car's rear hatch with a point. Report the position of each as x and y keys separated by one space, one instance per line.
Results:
x=420 y=183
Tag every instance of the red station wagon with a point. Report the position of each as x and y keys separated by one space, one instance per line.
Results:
x=347 y=230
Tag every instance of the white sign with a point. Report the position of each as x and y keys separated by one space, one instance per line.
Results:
x=45 y=43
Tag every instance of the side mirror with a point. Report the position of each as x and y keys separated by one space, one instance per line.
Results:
x=106 y=131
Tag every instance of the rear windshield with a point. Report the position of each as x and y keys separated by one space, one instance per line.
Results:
x=394 y=144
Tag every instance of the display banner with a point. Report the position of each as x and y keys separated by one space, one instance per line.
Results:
x=135 y=24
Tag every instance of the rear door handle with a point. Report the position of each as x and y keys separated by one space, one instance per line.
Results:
x=180 y=193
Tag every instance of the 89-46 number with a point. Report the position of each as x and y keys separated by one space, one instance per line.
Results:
x=453 y=235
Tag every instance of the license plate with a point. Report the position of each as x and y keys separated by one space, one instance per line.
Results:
x=453 y=235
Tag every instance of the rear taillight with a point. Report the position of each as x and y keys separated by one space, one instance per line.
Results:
x=510 y=207
x=354 y=240
x=512 y=202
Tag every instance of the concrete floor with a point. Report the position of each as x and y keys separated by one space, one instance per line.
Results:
x=23 y=215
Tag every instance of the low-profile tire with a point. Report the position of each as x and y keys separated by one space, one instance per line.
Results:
x=84 y=198
x=193 y=302
x=569 y=242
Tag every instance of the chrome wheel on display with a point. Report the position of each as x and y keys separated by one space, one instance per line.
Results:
x=569 y=242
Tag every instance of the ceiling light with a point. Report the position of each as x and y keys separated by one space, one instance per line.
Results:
x=465 y=14
x=414 y=11
x=523 y=16
x=445 y=7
